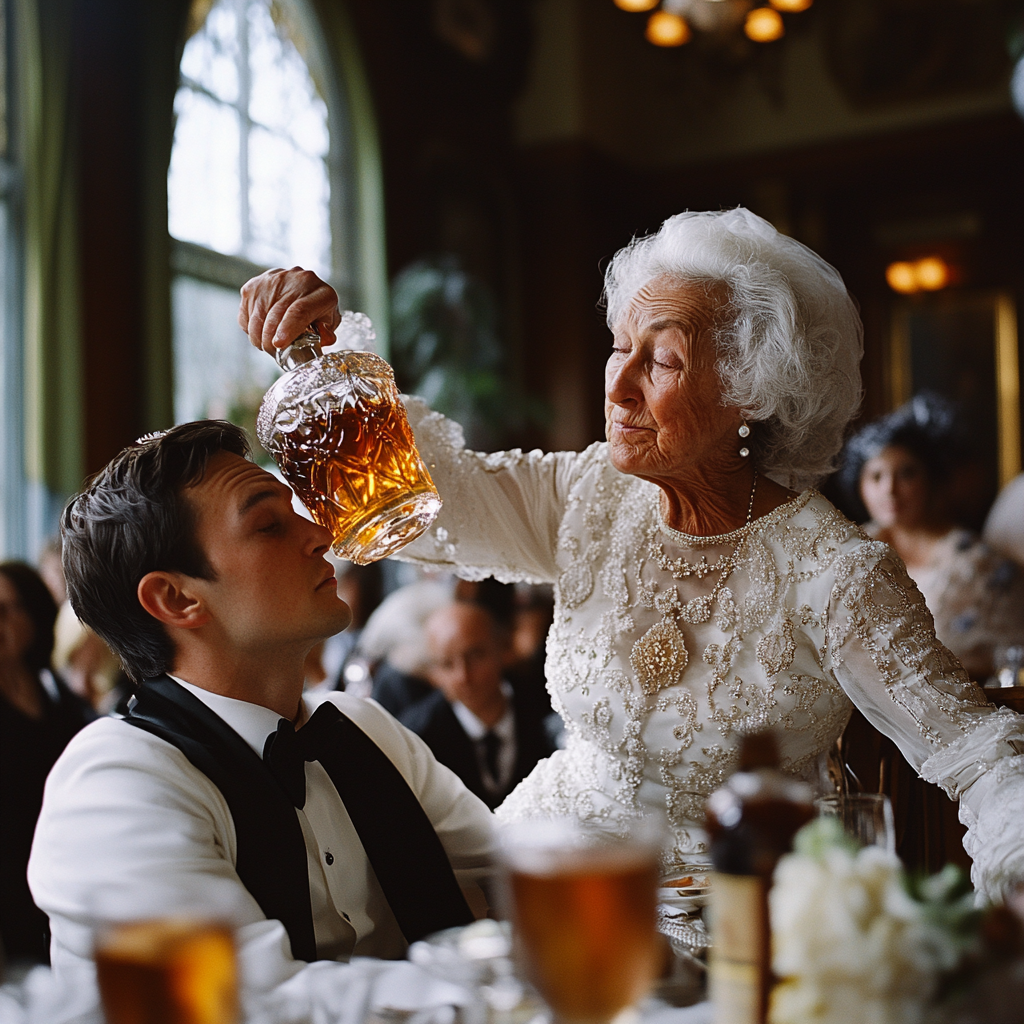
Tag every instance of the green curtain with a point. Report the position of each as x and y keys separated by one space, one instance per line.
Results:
x=54 y=428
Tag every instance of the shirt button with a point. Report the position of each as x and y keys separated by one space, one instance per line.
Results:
x=329 y=858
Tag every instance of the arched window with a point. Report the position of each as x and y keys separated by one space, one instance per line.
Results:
x=256 y=180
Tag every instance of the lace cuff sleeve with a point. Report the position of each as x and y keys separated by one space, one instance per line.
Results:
x=501 y=512
x=880 y=643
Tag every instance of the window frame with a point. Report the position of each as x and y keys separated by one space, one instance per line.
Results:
x=202 y=263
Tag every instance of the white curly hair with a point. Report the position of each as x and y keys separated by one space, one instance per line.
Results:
x=789 y=338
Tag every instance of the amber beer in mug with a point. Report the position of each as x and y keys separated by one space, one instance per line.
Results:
x=584 y=917
x=357 y=470
x=336 y=426
x=168 y=972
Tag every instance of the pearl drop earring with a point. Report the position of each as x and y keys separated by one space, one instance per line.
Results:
x=744 y=431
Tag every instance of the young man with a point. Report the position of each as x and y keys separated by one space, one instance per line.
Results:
x=474 y=722
x=321 y=837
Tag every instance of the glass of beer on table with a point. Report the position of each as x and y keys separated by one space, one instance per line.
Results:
x=168 y=971
x=336 y=427
x=583 y=908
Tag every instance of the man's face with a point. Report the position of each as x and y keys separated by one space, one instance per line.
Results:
x=465 y=654
x=273 y=588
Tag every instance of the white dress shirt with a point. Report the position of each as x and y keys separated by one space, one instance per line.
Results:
x=130 y=829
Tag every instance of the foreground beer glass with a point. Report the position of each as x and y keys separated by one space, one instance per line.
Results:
x=336 y=427
x=168 y=972
x=583 y=907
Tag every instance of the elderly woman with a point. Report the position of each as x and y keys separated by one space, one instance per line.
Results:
x=698 y=596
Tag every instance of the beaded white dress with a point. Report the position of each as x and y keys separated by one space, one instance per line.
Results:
x=655 y=681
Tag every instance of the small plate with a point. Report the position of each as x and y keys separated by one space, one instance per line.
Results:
x=688 y=897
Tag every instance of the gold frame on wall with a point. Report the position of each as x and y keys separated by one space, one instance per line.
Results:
x=900 y=384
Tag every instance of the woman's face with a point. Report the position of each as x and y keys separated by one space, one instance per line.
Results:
x=16 y=630
x=663 y=399
x=894 y=487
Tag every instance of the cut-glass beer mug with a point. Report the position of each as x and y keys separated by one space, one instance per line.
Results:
x=335 y=425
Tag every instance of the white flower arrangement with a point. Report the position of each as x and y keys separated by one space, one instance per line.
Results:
x=854 y=940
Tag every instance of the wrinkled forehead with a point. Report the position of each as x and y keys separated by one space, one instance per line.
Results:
x=681 y=300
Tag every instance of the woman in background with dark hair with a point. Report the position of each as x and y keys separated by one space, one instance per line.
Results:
x=899 y=467
x=38 y=715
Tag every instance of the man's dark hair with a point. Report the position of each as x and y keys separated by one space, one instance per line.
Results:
x=132 y=519
x=40 y=607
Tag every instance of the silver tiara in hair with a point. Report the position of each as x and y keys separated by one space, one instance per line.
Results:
x=152 y=436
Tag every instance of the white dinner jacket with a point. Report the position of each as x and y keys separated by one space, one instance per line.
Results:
x=131 y=829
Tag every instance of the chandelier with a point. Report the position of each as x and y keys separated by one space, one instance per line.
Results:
x=675 y=21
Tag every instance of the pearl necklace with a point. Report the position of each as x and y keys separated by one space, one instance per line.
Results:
x=680 y=568
x=698 y=609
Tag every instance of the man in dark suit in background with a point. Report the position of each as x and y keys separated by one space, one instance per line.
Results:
x=474 y=722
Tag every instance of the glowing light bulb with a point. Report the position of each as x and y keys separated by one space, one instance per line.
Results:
x=764 y=25
x=902 y=277
x=664 y=29
x=791 y=6
x=932 y=273
x=633 y=6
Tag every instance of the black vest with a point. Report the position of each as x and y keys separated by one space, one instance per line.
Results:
x=406 y=855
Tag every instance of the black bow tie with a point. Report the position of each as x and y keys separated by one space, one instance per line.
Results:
x=286 y=751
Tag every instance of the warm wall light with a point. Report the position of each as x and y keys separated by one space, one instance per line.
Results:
x=901 y=277
x=633 y=6
x=764 y=25
x=664 y=29
x=791 y=6
x=932 y=273
x=929 y=275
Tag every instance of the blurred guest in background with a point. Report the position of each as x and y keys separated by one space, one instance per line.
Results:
x=38 y=715
x=51 y=571
x=394 y=644
x=474 y=722
x=87 y=664
x=522 y=615
x=81 y=659
x=899 y=466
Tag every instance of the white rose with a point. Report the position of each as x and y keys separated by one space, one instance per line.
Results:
x=844 y=929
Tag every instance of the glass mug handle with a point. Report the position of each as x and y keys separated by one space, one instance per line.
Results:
x=304 y=349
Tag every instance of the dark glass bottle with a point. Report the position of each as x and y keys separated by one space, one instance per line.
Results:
x=751 y=822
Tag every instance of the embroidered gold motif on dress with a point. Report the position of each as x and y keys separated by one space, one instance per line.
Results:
x=659 y=657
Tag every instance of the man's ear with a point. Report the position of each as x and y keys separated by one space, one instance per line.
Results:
x=170 y=599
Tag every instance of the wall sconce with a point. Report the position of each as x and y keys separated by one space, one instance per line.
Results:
x=930 y=274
